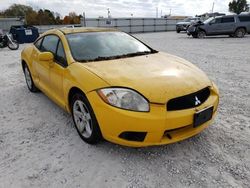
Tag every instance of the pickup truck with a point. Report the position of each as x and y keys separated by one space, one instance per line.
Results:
x=232 y=25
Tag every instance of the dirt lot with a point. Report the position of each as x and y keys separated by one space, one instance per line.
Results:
x=39 y=146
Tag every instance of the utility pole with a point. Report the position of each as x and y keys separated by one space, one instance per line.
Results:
x=213 y=8
x=170 y=12
x=84 y=19
x=156 y=12
x=108 y=12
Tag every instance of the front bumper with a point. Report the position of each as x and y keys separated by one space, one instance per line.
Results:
x=192 y=30
x=161 y=126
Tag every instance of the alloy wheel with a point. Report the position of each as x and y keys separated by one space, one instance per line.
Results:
x=28 y=77
x=82 y=119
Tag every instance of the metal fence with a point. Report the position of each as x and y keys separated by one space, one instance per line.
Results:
x=129 y=25
x=133 y=25
x=6 y=23
x=43 y=28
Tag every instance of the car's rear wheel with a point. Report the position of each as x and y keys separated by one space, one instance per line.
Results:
x=178 y=31
x=84 y=119
x=240 y=32
x=28 y=78
x=201 y=34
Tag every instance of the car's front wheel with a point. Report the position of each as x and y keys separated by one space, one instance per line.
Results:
x=84 y=119
x=201 y=34
x=240 y=32
x=28 y=78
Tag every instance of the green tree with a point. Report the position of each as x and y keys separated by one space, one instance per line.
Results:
x=46 y=17
x=238 y=6
x=17 y=10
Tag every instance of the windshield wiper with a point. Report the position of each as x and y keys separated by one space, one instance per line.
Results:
x=100 y=58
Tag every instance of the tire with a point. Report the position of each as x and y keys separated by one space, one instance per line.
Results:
x=240 y=33
x=13 y=45
x=178 y=31
x=201 y=34
x=194 y=36
x=28 y=78
x=84 y=119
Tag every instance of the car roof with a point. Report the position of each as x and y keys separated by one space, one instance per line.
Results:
x=225 y=16
x=67 y=30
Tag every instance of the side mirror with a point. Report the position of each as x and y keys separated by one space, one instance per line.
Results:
x=46 y=56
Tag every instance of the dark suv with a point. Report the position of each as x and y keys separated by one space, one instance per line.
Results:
x=233 y=25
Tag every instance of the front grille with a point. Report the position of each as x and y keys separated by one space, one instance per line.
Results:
x=188 y=101
x=133 y=136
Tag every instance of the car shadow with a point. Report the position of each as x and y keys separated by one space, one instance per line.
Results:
x=215 y=37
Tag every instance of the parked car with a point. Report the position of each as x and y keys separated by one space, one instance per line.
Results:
x=183 y=25
x=232 y=25
x=118 y=88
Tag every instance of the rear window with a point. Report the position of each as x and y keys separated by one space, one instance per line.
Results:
x=244 y=18
x=227 y=19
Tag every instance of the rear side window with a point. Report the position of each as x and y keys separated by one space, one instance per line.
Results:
x=38 y=43
x=49 y=44
x=227 y=20
x=244 y=18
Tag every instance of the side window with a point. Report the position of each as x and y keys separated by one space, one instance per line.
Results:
x=60 y=55
x=218 y=20
x=244 y=18
x=228 y=20
x=49 y=44
x=38 y=43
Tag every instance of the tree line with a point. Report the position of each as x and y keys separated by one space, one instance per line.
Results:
x=238 y=6
x=39 y=17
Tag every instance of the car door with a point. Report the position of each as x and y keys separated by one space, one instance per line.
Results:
x=214 y=26
x=57 y=74
x=34 y=57
x=42 y=68
x=227 y=25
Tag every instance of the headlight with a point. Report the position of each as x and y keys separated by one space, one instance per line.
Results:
x=124 y=98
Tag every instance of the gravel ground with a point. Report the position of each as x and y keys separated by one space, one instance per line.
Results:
x=39 y=146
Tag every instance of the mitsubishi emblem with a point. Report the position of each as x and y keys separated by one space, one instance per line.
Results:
x=197 y=101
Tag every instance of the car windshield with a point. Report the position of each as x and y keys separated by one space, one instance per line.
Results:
x=208 y=20
x=97 y=46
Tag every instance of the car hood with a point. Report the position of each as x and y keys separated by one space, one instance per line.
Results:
x=159 y=77
x=182 y=23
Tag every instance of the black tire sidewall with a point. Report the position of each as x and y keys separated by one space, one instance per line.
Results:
x=237 y=30
x=200 y=31
x=11 y=47
x=96 y=135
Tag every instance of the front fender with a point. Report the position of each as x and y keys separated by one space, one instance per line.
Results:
x=79 y=77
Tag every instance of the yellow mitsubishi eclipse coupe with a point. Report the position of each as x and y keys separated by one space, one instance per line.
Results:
x=118 y=88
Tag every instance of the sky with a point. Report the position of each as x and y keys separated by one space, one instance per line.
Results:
x=125 y=8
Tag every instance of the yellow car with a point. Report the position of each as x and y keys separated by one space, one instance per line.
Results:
x=118 y=88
